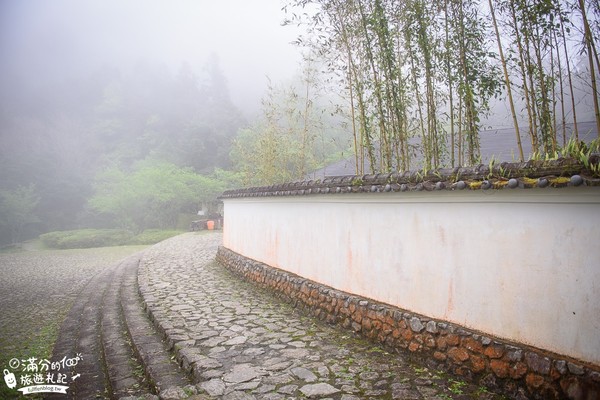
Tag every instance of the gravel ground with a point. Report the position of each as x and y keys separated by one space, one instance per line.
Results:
x=37 y=289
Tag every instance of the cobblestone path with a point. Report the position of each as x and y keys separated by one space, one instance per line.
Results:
x=239 y=342
x=170 y=323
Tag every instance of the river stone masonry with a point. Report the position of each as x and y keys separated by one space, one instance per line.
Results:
x=512 y=368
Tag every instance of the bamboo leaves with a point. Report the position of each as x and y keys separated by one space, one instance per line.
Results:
x=421 y=76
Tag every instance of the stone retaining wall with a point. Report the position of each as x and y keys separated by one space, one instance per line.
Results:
x=518 y=370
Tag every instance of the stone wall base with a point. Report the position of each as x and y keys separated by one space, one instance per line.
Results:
x=517 y=370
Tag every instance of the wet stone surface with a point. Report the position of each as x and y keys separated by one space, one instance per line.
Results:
x=37 y=289
x=240 y=342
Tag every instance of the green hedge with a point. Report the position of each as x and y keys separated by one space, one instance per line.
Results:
x=151 y=236
x=85 y=238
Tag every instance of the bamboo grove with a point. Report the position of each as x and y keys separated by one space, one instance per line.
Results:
x=420 y=76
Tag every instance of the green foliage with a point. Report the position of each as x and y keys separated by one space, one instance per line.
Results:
x=18 y=209
x=583 y=151
x=262 y=156
x=151 y=236
x=38 y=343
x=229 y=179
x=574 y=149
x=59 y=140
x=419 y=76
x=289 y=141
x=403 y=64
x=456 y=386
x=86 y=238
x=580 y=150
x=152 y=194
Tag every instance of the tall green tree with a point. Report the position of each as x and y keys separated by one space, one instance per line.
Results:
x=59 y=134
x=152 y=195
x=289 y=140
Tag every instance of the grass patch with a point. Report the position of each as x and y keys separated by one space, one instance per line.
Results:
x=38 y=345
x=88 y=238
x=10 y=249
x=152 y=236
x=457 y=387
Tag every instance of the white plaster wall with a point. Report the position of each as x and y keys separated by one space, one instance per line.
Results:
x=519 y=264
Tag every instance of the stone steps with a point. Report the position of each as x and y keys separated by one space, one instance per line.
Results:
x=122 y=355
x=125 y=373
x=79 y=336
x=151 y=350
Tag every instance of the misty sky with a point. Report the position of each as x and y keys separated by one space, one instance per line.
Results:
x=41 y=38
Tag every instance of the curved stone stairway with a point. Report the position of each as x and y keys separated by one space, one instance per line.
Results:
x=121 y=353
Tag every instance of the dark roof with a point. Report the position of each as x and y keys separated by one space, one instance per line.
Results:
x=532 y=174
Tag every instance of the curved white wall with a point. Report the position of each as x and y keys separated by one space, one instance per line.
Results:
x=519 y=264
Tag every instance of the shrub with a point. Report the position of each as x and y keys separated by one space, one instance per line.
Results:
x=151 y=236
x=85 y=238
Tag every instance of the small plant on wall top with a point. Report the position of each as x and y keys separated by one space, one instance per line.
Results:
x=357 y=181
x=584 y=153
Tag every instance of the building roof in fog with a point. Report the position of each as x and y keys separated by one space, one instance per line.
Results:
x=499 y=144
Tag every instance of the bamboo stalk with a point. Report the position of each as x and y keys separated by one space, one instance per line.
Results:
x=589 y=45
x=507 y=83
x=570 y=78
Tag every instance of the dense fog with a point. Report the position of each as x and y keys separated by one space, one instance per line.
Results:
x=44 y=43
x=135 y=114
x=91 y=85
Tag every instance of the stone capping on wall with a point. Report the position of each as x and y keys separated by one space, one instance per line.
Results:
x=541 y=174
x=518 y=370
